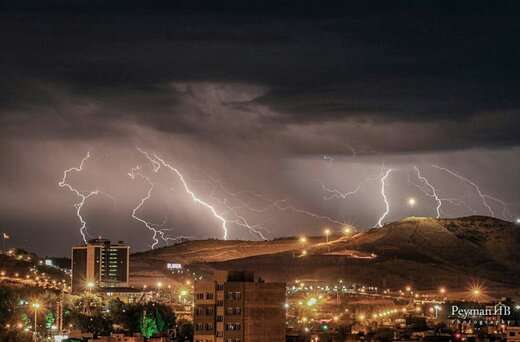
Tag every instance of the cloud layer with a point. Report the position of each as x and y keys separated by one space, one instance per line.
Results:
x=263 y=99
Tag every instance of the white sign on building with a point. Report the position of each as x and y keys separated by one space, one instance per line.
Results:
x=173 y=266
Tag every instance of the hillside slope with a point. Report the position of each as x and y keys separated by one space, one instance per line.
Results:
x=424 y=251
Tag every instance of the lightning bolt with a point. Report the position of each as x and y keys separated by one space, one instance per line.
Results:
x=158 y=161
x=239 y=220
x=83 y=196
x=157 y=232
x=433 y=193
x=482 y=196
x=453 y=201
x=283 y=205
x=155 y=164
x=177 y=239
x=385 y=199
x=335 y=193
x=278 y=204
x=133 y=174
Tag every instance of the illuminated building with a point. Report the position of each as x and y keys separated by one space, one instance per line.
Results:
x=100 y=264
x=235 y=307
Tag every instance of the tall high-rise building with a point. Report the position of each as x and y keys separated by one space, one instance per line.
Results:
x=233 y=307
x=100 y=264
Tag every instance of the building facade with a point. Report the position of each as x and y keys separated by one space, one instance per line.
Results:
x=233 y=307
x=100 y=264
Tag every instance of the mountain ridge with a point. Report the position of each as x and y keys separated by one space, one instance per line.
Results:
x=418 y=249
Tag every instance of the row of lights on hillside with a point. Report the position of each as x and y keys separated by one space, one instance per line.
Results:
x=327 y=232
x=476 y=291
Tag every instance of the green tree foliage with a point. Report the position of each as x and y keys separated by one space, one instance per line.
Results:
x=161 y=324
x=89 y=314
x=14 y=308
x=148 y=325
x=49 y=319
x=159 y=318
x=25 y=320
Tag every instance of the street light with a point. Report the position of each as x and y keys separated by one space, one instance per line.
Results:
x=347 y=230
x=327 y=233
x=35 y=306
x=90 y=285
x=303 y=239
x=412 y=202
x=442 y=290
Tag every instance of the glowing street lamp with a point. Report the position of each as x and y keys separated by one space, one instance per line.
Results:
x=327 y=233
x=303 y=239
x=347 y=230
x=36 y=306
x=312 y=301
x=442 y=290
x=412 y=202
x=90 y=286
x=304 y=252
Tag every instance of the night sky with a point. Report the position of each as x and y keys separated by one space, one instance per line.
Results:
x=264 y=109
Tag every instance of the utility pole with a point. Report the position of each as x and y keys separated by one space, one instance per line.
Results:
x=35 y=306
x=59 y=312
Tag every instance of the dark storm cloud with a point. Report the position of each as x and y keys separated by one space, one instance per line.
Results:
x=244 y=90
x=403 y=65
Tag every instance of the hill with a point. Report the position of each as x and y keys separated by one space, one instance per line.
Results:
x=423 y=251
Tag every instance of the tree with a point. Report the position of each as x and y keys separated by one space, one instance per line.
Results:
x=132 y=317
x=97 y=324
x=49 y=320
x=148 y=325
x=185 y=332
x=15 y=336
x=25 y=320
x=7 y=305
